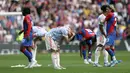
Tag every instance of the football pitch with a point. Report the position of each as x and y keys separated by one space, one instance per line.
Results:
x=72 y=61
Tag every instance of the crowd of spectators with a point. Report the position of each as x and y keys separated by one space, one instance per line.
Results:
x=59 y=12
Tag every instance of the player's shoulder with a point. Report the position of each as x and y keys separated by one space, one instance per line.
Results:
x=27 y=16
x=101 y=16
x=110 y=14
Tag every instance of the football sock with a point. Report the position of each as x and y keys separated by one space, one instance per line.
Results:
x=84 y=54
x=54 y=58
x=27 y=54
x=89 y=52
x=97 y=54
x=113 y=49
x=111 y=53
x=58 y=59
x=105 y=53
x=34 y=51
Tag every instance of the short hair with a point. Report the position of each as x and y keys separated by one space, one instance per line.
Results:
x=104 y=8
x=25 y=11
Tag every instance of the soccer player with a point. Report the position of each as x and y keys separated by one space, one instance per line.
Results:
x=86 y=37
x=38 y=33
x=52 y=40
x=101 y=40
x=26 y=43
x=110 y=32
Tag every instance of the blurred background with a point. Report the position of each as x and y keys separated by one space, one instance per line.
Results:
x=58 y=12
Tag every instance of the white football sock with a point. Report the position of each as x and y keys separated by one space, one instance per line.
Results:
x=54 y=59
x=34 y=51
x=105 y=53
x=97 y=54
x=58 y=59
x=114 y=58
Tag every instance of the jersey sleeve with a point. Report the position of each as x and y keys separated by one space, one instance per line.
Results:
x=29 y=25
x=64 y=32
x=101 y=19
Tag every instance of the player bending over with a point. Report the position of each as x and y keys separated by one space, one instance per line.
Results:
x=53 y=39
x=86 y=37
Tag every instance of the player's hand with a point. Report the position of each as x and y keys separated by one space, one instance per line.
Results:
x=105 y=36
x=34 y=35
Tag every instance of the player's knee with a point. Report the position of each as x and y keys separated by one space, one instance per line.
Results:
x=107 y=47
x=22 y=49
x=100 y=45
x=52 y=50
x=99 y=49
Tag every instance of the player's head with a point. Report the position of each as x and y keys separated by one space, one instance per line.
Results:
x=69 y=29
x=112 y=8
x=106 y=8
x=25 y=11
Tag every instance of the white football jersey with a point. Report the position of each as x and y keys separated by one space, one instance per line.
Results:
x=101 y=19
x=39 y=31
x=57 y=33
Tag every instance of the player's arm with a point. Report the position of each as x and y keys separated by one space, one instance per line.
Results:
x=101 y=29
x=20 y=32
x=68 y=39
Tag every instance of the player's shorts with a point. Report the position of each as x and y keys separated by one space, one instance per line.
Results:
x=50 y=43
x=101 y=40
x=111 y=40
x=26 y=42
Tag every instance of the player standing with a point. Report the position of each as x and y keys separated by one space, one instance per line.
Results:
x=110 y=32
x=101 y=40
x=53 y=38
x=38 y=33
x=86 y=37
x=26 y=43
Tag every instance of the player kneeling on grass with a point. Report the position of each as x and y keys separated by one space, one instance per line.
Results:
x=86 y=37
x=38 y=33
x=53 y=38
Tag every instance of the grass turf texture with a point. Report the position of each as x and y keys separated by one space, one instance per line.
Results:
x=71 y=61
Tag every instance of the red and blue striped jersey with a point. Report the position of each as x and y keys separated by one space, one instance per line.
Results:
x=85 y=33
x=111 y=23
x=27 y=26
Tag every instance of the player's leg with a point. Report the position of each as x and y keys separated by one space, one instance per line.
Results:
x=33 y=62
x=98 y=50
x=97 y=55
x=89 y=43
x=23 y=48
x=58 y=59
x=34 y=52
x=83 y=51
x=106 y=62
x=51 y=46
x=109 y=43
x=26 y=52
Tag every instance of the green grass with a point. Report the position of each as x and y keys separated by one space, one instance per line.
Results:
x=71 y=61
